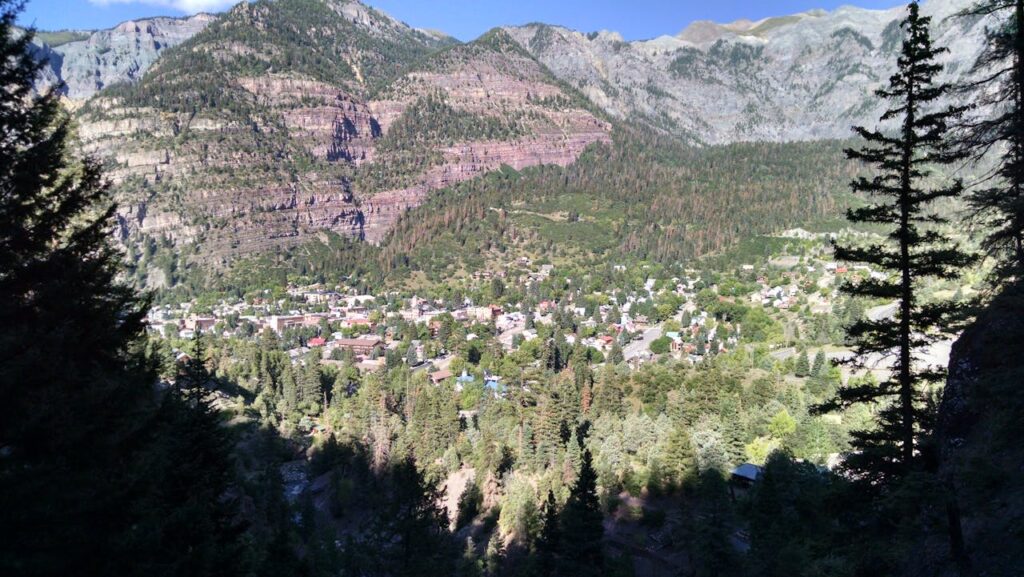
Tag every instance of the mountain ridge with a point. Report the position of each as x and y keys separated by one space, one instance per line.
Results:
x=283 y=119
x=279 y=120
x=800 y=77
x=779 y=78
x=115 y=55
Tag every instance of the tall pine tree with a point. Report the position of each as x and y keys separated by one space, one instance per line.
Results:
x=997 y=88
x=550 y=538
x=70 y=402
x=912 y=253
x=86 y=439
x=582 y=531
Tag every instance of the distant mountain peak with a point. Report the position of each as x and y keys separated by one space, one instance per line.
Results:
x=707 y=31
x=802 y=76
x=88 y=61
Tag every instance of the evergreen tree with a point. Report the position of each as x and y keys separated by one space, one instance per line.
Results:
x=187 y=509
x=997 y=88
x=495 y=553
x=710 y=527
x=568 y=408
x=469 y=504
x=680 y=457
x=548 y=432
x=100 y=472
x=527 y=451
x=581 y=525
x=550 y=539
x=309 y=393
x=803 y=365
x=573 y=455
x=702 y=347
x=911 y=252
x=616 y=356
x=555 y=356
x=410 y=534
x=733 y=431
x=289 y=391
x=820 y=366
x=607 y=394
x=790 y=519
x=820 y=370
x=469 y=565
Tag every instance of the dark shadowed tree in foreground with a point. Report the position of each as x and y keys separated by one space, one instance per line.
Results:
x=97 y=476
x=409 y=535
x=996 y=86
x=912 y=252
x=582 y=531
x=549 y=540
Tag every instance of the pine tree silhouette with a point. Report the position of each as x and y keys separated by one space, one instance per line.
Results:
x=913 y=251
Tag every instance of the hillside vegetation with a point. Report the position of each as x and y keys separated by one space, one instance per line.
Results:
x=643 y=196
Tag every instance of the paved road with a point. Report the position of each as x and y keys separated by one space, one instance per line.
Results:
x=638 y=348
x=782 y=354
x=882 y=312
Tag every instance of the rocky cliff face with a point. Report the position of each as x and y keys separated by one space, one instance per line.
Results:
x=489 y=79
x=981 y=421
x=280 y=118
x=121 y=54
x=800 y=77
x=221 y=148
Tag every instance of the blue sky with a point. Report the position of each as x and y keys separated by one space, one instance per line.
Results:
x=466 y=19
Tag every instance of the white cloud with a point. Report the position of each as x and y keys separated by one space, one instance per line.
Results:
x=187 y=6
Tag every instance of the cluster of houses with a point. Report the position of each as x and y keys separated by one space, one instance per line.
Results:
x=779 y=297
x=360 y=339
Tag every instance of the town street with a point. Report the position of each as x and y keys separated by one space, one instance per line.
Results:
x=639 y=348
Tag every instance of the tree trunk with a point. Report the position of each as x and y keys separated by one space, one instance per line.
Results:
x=1017 y=146
x=906 y=384
x=956 y=536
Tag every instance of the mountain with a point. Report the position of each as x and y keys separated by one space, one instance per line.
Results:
x=279 y=120
x=464 y=112
x=282 y=119
x=798 y=77
x=642 y=197
x=88 y=61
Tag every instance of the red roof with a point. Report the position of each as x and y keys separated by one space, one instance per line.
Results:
x=439 y=376
x=316 y=342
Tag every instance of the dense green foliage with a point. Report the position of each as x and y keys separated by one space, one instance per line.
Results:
x=643 y=197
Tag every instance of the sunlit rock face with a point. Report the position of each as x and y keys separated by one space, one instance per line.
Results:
x=799 y=77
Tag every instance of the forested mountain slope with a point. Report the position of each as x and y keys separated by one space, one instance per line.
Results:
x=276 y=122
x=642 y=196
x=283 y=119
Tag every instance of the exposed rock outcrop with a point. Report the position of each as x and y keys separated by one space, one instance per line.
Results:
x=120 y=54
x=981 y=421
x=799 y=77
x=283 y=154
